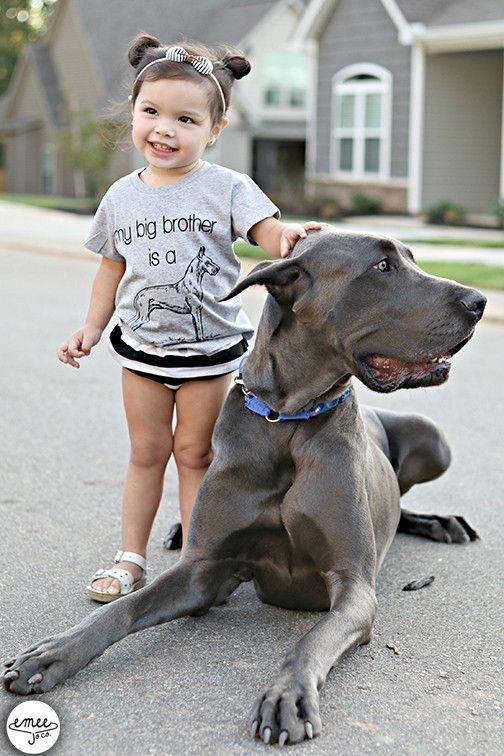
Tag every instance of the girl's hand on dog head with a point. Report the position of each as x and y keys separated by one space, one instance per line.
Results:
x=292 y=232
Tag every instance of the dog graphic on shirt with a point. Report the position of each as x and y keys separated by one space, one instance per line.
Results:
x=184 y=296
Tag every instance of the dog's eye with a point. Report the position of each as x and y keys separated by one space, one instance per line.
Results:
x=383 y=266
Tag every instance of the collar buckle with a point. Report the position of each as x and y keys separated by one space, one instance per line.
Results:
x=273 y=417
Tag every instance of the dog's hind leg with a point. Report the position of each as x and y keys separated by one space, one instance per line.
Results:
x=191 y=587
x=419 y=452
x=449 y=529
x=173 y=539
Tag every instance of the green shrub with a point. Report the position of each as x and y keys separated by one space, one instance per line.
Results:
x=365 y=205
x=445 y=212
x=328 y=208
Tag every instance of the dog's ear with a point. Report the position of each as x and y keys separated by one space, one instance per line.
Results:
x=286 y=280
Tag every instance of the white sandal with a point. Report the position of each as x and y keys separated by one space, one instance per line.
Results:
x=125 y=578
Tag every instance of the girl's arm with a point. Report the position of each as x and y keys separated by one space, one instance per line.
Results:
x=101 y=309
x=278 y=239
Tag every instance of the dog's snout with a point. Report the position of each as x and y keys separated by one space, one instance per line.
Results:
x=474 y=301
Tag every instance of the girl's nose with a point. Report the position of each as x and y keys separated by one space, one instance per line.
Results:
x=165 y=129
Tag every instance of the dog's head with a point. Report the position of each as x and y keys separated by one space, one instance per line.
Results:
x=375 y=311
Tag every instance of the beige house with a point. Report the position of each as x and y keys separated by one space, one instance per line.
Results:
x=80 y=66
x=407 y=102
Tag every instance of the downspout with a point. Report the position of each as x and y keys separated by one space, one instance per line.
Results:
x=416 y=121
x=501 y=187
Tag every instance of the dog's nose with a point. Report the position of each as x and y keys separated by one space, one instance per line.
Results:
x=475 y=302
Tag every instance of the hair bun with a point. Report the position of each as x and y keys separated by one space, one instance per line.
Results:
x=139 y=47
x=238 y=65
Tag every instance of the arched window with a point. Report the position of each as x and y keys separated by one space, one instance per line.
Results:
x=361 y=122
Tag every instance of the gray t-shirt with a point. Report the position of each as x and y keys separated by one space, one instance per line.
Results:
x=176 y=241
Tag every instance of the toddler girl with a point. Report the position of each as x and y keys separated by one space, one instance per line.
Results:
x=165 y=234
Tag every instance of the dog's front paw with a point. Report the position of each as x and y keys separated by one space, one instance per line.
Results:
x=287 y=712
x=41 y=667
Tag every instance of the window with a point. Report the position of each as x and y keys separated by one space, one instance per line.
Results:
x=286 y=78
x=361 y=115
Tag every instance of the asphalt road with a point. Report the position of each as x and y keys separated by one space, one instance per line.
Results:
x=187 y=687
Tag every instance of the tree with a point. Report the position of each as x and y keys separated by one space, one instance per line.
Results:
x=86 y=143
x=20 y=21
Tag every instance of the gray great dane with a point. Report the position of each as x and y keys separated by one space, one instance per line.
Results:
x=307 y=508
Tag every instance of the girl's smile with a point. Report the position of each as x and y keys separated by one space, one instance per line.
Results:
x=162 y=150
x=172 y=127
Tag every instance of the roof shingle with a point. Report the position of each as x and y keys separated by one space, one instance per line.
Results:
x=110 y=26
x=447 y=12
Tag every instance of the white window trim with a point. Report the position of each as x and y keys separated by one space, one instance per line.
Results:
x=382 y=85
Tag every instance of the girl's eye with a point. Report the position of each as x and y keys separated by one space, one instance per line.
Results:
x=186 y=119
x=383 y=266
x=151 y=111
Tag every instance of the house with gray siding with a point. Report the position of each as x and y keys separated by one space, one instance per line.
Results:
x=406 y=102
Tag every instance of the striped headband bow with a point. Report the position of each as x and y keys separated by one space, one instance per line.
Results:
x=200 y=63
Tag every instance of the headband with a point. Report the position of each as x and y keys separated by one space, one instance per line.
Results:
x=199 y=62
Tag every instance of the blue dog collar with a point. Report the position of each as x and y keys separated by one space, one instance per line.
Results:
x=256 y=405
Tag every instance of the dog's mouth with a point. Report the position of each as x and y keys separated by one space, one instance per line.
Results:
x=382 y=373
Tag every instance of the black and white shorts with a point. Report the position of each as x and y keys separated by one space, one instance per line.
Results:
x=174 y=370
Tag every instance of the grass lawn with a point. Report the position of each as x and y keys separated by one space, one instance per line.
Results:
x=469 y=274
x=486 y=243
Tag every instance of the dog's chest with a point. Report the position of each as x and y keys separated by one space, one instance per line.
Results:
x=284 y=573
x=287 y=577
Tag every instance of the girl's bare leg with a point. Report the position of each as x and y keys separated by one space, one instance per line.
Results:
x=198 y=405
x=149 y=412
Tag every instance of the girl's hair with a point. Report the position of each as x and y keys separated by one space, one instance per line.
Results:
x=228 y=64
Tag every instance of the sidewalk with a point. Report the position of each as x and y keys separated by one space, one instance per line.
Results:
x=410 y=227
x=52 y=232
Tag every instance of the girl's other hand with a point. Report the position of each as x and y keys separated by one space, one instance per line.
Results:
x=78 y=345
x=294 y=231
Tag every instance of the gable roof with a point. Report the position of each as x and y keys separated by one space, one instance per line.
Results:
x=36 y=57
x=450 y=12
x=212 y=22
x=48 y=78
x=412 y=17
x=110 y=26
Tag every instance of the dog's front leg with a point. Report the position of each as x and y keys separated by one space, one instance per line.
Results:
x=288 y=710
x=328 y=520
x=188 y=588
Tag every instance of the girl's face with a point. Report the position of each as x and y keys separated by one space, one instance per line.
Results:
x=171 y=125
